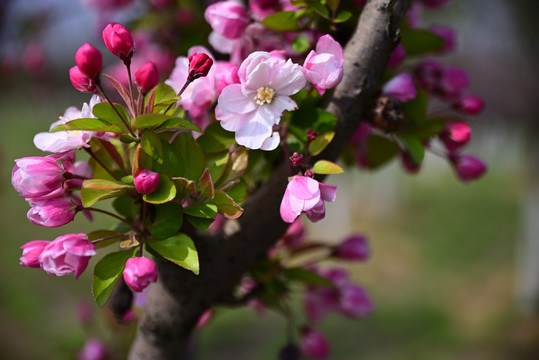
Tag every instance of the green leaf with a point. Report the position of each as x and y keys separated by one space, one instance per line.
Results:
x=319 y=8
x=164 y=193
x=152 y=151
x=104 y=111
x=179 y=249
x=415 y=148
x=226 y=205
x=199 y=223
x=179 y=123
x=343 y=16
x=420 y=42
x=380 y=150
x=206 y=185
x=320 y=143
x=326 y=167
x=94 y=190
x=191 y=155
x=235 y=168
x=333 y=4
x=216 y=164
x=416 y=110
x=307 y=277
x=300 y=44
x=112 y=237
x=184 y=187
x=126 y=207
x=168 y=220
x=107 y=272
x=147 y=121
x=238 y=191
x=311 y=118
x=163 y=93
x=88 y=125
x=281 y=21
x=216 y=139
x=173 y=162
x=205 y=210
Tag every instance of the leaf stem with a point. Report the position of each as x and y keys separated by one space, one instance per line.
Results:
x=104 y=94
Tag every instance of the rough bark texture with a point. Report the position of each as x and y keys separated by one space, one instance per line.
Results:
x=179 y=297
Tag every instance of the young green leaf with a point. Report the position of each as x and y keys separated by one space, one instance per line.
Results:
x=165 y=192
x=184 y=187
x=199 y=223
x=342 y=17
x=216 y=139
x=107 y=272
x=206 y=185
x=168 y=220
x=94 y=190
x=110 y=237
x=216 y=164
x=415 y=148
x=281 y=21
x=205 y=210
x=179 y=249
x=178 y=123
x=300 y=44
x=320 y=143
x=416 y=110
x=191 y=155
x=238 y=191
x=307 y=277
x=226 y=205
x=88 y=125
x=104 y=111
x=151 y=156
x=420 y=42
x=380 y=150
x=326 y=167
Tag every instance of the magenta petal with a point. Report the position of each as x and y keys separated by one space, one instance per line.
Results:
x=304 y=187
x=288 y=214
x=326 y=44
x=328 y=192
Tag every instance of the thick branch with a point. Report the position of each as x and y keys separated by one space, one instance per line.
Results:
x=179 y=297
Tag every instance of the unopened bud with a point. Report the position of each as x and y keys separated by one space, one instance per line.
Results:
x=147 y=76
x=469 y=167
x=296 y=159
x=119 y=41
x=309 y=173
x=199 y=65
x=313 y=344
x=456 y=135
x=80 y=81
x=89 y=60
x=354 y=248
x=471 y=105
x=311 y=135
x=146 y=181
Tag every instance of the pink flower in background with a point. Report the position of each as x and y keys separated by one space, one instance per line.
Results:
x=93 y=349
x=305 y=195
x=102 y=5
x=146 y=181
x=139 y=272
x=34 y=59
x=31 y=252
x=456 y=135
x=251 y=108
x=52 y=212
x=453 y=83
x=323 y=66
x=294 y=235
x=313 y=344
x=448 y=34
x=67 y=254
x=434 y=4
x=401 y=88
x=471 y=105
x=38 y=178
x=62 y=141
x=226 y=73
x=413 y=15
x=428 y=74
x=227 y=18
x=354 y=301
x=397 y=57
x=354 y=248
x=469 y=167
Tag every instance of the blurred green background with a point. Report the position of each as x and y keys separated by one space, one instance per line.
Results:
x=448 y=259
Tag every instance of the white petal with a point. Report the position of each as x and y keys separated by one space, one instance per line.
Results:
x=272 y=142
x=233 y=101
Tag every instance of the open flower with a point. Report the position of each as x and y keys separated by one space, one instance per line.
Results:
x=251 y=108
x=67 y=254
x=305 y=195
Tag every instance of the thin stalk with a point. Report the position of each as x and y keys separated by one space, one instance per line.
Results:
x=187 y=82
x=113 y=215
x=135 y=105
x=120 y=237
x=104 y=94
x=89 y=151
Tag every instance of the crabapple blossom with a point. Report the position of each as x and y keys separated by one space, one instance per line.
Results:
x=80 y=81
x=294 y=235
x=305 y=195
x=93 y=349
x=401 y=88
x=146 y=181
x=469 y=167
x=253 y=107
x=31 y=252
x=397 y=57
x=51 y=212
x=226 y=73
x=227 y=18
x=38 y=178
x=354 y=301
x=62 y=141
x=139 y=272
x=199 y=65
x=119 y=41
x=453 y=82
x=313 y=344
x=89 y=60
x=147 y=76
x=67 y=254
x=455 y=135
x=448 y=35
x=323 y=66
x=428 y=74
x=471 y=105
x=354 y=248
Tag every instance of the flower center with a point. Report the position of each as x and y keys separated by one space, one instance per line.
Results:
x=264 y=95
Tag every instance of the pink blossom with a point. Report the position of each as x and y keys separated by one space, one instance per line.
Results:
x=80 y=81
x=67 y=254
x=93 y=349
x=101 y=5
x=313 y=344
x=319 y=302
x=413 y=15
x=38 y=178
x=354 y=248
x=253 y=107
x=323 y=66
x=139 y=272
x=227 y=18
x=147 y=76
x=119 y=40
x=469 y=167
x=471 y=105
x=62 y=141
x=89 y=60
x=448 y=35
x=453 y=83
x=226 y=74
x=401 y=88
x=260 y=9
x=397 y=57
x=146 y=181
x=34 y=59
x=31 y=252
x=199 y=65
x=294 y=235
x=354 y=302
x=305 y=195
x=52 y=212
x=455 y=135
x=428 y=74
x=205 y=318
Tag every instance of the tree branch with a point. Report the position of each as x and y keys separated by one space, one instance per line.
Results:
x=178 y=299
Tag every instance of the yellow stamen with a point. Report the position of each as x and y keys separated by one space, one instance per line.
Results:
x=264 y=95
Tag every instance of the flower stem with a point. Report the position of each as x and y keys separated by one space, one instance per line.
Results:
x=104 y=94
x=113 y=215
x=135 y=105
x=187 y=82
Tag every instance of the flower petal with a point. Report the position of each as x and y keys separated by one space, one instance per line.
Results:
x=233 y=101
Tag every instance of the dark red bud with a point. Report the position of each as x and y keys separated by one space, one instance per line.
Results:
x=311 y=135
x=199 y=65
x=147 y=76
x=296 y=159
x=309 y=173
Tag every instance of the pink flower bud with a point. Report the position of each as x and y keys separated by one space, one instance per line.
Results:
x=448 y=35
x=354 y=248
x=119 y=41
x=31 y=252
x=296 y=159
x=146 y=181
x=469 y=167
x=67 y=254
x=227 y=18
x=311 y=135
x=401 y=88
x=93 y=349
x=397 y=57
x=199 y=65
x=313 y=344
x=453 y=83
x=38 y=178
x=139 y=272
x=80 y=81
x=456 y=135
x=147 y=76
x=89 y=60
x=323 y=66
x=294 y=235
x=354 y=301
x=471 y=105
x=52 y=212
x=428 y=74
